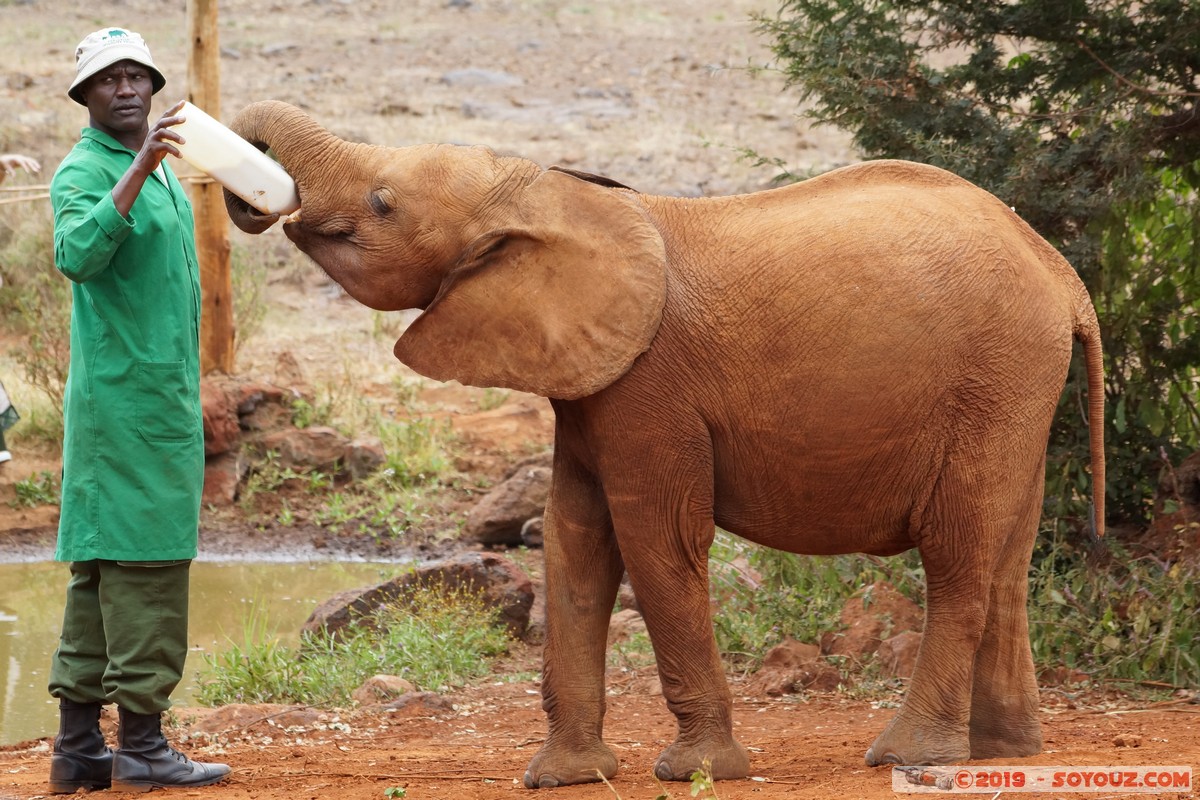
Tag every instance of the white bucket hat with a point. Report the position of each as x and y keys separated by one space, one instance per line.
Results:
x=106 y=47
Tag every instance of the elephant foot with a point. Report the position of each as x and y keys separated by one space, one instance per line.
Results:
x=903 y=743
x=558 y=765
x=724 y=759
x=1011 y=743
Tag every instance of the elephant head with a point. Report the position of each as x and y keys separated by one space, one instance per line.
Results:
x=529 y=279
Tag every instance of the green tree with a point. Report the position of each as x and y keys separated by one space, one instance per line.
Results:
x=1082 y=115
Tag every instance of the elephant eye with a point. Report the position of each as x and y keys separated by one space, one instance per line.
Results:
x=381 y=202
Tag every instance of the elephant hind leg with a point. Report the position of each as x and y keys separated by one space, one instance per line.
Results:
x=962 y=531
x=1004 y=692
x=933 y=723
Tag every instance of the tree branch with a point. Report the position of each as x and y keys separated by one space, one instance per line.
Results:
x=1122 y=79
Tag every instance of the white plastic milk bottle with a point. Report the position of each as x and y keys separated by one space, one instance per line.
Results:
x=235 y=163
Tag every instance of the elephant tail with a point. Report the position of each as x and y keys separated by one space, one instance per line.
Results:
x=1087 y=331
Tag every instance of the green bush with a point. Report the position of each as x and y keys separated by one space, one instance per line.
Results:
x=1109 y=614
x=1079 y=114
x=434 y=638
x=787 y=595
x=1115 y=616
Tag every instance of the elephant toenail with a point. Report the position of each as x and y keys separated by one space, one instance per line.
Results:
x=547 y=782
x=886 y=758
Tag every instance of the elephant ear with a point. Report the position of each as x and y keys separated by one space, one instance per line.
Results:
x=558 y=302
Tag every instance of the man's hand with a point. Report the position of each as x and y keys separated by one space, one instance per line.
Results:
x=12 y=161
x=160 y=141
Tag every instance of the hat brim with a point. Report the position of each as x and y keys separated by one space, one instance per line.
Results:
x=110 y=56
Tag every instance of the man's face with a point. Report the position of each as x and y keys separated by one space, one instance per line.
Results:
x=118 y=98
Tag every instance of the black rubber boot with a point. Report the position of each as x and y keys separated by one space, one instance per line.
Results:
x=80 y=759
x=145 y=761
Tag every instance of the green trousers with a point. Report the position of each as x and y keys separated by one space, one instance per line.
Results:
x=124 y=634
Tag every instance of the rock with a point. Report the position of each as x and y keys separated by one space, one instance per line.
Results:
x=381 y=689
x=218 y=411
x=872 y=614
x=317 y=448
x=791 y=665
x=419 y=702
x=625 y=596
x=474 y=76
x=364 y=456
x=264 y=409
x=288 y=371
x=260 y=717
x=501 y=515
x=1063 y=676
x=624 y=625
x=500 y=581
x=790 y=654
x=1127 y=740
x=223 y=476
x=898 y=654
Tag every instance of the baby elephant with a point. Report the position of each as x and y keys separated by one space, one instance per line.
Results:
x=867 y=361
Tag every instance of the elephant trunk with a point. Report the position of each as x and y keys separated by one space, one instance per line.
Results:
x=293 y=136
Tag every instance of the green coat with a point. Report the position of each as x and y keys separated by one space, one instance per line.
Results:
x=133 y=447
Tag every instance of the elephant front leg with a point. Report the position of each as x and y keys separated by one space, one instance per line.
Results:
x=671 y=584
x=583 y=570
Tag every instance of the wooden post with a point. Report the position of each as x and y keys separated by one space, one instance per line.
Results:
x=208 y=204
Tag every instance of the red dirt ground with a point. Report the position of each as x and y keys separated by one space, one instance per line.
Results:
x=811 y=748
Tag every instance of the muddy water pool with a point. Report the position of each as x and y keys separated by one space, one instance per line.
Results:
x=225 y=597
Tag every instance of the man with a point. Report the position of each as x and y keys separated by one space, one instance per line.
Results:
x=133 y=452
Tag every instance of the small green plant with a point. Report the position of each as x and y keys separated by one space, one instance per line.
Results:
x=492 y=399
x=40 y=489
x=259 y=669
x=266 y=477
x=286 y=517
x=386 y=325
x=307 y=414
x=633 y=653
x=407 y=391
x=434 y=637
x=418 y=450
x=702 y=781
x=337 y=511
x=394 y=791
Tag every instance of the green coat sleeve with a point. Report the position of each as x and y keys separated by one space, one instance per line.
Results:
x=88 y=228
